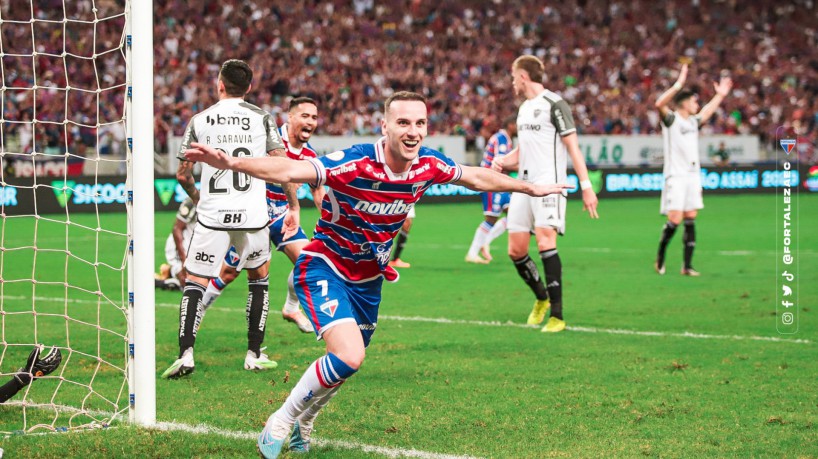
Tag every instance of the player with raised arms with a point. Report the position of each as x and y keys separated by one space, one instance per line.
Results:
x=232 y=210
x=682 y=190
x=302 y=120
x=339 y=274
x=547 y=136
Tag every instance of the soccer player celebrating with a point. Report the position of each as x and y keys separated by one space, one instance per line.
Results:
x=340 y=273
x=37 y=366
x=682 y=190
x=541 y=159
x=231 y=211
x=301 y=123
x=494 y=204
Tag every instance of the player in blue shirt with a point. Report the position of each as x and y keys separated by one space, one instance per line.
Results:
x=338 y=276
x=494 y=203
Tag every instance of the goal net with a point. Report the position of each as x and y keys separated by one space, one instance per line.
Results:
x=66 y=235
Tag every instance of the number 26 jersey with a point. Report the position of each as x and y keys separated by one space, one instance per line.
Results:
x=232 y=200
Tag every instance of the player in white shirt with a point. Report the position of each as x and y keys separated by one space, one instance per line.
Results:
x=546 y=136
x=232 y=210
x=682 y=190
x=172 y=274
x=302 y=119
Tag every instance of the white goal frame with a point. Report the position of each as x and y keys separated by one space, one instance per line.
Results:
x=140 y=205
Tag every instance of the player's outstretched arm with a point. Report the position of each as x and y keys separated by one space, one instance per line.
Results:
x=667 y=96
x=269 y=169
x=722 y=90
x=589 y=199
x=483 y=179
x=37 y=366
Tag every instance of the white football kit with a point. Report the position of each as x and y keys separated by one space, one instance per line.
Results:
x=543 y=159
x=682 y=188
x=187 y=215
x=232 y=208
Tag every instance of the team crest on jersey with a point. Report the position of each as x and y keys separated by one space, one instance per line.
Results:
x=537 y=112
x=330 y=307
x=336 y=155
x=417 y=187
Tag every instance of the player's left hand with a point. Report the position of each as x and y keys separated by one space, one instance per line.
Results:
x=589 y=202
x=723 y=86
x=39 y=364
x=291 y=223
x=205 y=153
x=553 y=188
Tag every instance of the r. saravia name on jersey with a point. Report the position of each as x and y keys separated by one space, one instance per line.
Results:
x=231 y=138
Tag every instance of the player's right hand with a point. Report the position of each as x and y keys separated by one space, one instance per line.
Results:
x=290 y=223
x=204 y=153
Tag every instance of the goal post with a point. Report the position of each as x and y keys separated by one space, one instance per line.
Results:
x=139 y=126
x=77 y=251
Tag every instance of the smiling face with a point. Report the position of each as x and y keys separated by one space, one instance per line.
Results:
x=404 y=126
x=302 y=121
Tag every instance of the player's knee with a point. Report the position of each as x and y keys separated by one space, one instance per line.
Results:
x=257 y=273
x=690 y=215
x=353 y=358
x=516 y=253
x=228 y=275
x=674 y=217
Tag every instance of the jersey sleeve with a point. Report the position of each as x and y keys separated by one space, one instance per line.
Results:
x=668 y=119
x=274 y=141
x=562 y=118
x=188 y=138
x=447 y=170
x=337 y=168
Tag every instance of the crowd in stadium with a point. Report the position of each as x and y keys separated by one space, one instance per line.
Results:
x=610 y=60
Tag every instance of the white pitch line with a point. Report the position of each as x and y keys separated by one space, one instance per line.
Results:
x=611 y=331
x=204 y=429
x=342 y=444
x=482 y=323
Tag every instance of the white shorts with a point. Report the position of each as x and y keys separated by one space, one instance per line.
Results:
x=172 y=256
x=527 y=212
x=208 y=247
x=682 y=193
x=411 y=213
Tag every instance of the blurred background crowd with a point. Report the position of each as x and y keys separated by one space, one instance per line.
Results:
x=609 y=59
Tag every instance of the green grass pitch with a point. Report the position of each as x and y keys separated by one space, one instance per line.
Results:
x=477 y=382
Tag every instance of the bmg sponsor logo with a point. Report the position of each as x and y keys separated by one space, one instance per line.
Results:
x=242 y=121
